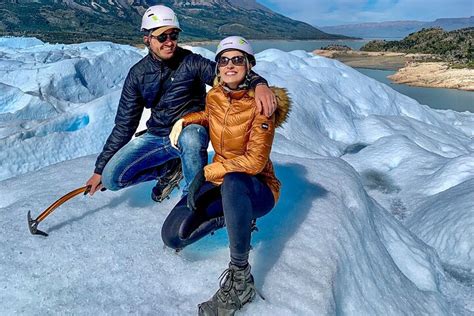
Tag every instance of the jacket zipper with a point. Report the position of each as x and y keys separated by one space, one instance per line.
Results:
x=225 y=123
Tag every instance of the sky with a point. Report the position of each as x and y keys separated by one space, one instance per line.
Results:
x=374 y=217
x=336 y=12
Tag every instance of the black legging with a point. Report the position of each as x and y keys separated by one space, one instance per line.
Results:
x=240 y=199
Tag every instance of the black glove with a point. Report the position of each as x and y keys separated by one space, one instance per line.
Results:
x=193 y=189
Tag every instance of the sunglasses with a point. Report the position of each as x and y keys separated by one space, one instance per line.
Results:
x=164 y=37
x=236 y=61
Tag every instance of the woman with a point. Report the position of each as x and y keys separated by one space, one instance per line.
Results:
x=239 y=185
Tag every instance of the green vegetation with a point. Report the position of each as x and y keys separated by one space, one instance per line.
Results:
x=55 y=22
x=337 y=47
x=455 y=47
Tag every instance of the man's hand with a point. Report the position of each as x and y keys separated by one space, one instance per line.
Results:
x=95 y=183
x=175 y=131
x=193 y=189
x=265 y=99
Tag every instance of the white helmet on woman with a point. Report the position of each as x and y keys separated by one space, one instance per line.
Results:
x=158 y=16
x=238 y=43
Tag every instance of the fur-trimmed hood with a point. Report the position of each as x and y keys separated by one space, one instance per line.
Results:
x=284 y=105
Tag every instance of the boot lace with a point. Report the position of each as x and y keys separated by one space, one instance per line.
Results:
x=226 y=284
x=226 y=280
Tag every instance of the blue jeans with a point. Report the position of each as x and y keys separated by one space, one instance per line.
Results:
x=140 y=160
x=240 y=199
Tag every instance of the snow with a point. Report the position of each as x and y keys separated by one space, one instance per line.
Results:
x=445 y=221
x=376 y=214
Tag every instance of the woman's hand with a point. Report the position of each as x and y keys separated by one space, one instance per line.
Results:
x=193 y=189
x=175 y=131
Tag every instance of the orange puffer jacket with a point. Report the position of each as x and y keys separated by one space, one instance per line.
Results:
x=241 y=137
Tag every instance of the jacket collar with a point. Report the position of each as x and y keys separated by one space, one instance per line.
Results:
x=234 y=94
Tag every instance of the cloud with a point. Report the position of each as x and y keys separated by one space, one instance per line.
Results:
x=321 y=13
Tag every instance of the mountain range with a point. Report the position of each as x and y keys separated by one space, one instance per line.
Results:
x=69 y=21
x=397 y=29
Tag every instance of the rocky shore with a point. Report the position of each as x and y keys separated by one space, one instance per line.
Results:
x=421 y=70
x=435 y=74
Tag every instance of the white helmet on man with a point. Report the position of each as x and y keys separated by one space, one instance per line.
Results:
x=238 y=43
x=158 y=16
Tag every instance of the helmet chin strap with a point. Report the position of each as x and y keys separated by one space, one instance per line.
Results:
x=246 y=81
x=155 y=56
x=147 y=44
x=247 y=62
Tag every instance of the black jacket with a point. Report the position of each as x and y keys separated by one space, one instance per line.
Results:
x=171 y=89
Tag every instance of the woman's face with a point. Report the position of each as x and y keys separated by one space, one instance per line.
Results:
x=232 y=68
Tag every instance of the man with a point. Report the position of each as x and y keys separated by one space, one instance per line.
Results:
x=171 y=82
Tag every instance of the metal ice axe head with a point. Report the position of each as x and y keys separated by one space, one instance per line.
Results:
x=33 y=226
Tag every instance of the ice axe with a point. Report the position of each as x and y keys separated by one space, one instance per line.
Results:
x=33 y=223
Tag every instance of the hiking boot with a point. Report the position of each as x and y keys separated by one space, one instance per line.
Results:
x=236 y=288
x=168 y=181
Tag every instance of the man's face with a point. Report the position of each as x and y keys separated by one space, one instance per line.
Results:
x=165 y=49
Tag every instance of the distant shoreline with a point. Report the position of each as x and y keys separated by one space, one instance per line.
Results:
x=411 y=69
x=196 y=43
